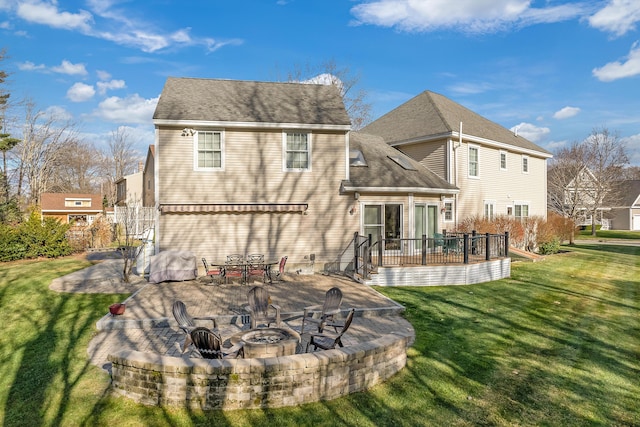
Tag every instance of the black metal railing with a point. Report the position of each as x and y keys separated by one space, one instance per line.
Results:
x=445 y=248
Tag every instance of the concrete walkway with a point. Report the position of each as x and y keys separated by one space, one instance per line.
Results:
x=148 y=324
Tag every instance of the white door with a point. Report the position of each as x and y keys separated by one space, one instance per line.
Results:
x=636 y=222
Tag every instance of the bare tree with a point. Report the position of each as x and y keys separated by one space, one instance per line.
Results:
x=564 y=186
x=45 y=142
x=584 y=178
x=134 y=223
x=79 y=170
x=120 y=159
x=346 y=81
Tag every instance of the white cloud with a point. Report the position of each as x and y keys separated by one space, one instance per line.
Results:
x=48 y=14
x=59 y=113
x=80 y=92
x=530 y=131
x=30 y=66
x=132 y=109
x=471 y=88
x=633 y=144
x=618 y=70
x=618 y=17
x=566 y=112
x=103 y=75
x=103 y=87
x=66 y=67
x=463 y=15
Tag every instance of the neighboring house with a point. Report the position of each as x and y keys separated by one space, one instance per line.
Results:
x=626 y=215
x=71 y=208
x=129 y=188
x=149 y=179
x=585 y=198
x=496 y=171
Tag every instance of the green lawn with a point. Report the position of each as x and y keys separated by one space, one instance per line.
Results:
x=609 y=234
x=557 y=344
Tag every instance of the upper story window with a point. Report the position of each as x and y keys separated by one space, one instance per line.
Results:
x=525 y=164
x=209 y=150
x=474 y=162
x=77 y=203
x=503 y=160
x=297 y=151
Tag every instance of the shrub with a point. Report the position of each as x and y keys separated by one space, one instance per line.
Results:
x=34 y=238
x=550 y=247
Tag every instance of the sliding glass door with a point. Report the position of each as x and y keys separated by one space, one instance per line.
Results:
x=386 y=221
x=425 y=221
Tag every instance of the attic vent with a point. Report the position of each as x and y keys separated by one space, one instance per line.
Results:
x=403 y=162
x=356 y=158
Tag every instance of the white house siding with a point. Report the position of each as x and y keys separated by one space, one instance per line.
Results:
x=253 y=174
x=503 y=187
x=432 y=155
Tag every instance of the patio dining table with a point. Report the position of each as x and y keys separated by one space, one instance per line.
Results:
x=244 y=268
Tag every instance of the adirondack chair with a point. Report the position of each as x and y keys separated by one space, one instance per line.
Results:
x=331 y=307
x=328 y=342
x=187 y=323
x=209 y=344
x=259 y=308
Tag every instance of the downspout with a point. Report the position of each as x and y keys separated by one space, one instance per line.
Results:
x=455 y=165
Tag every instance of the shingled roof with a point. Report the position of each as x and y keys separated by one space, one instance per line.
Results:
x=431 y=114
x=191 y=99
x=382 y=172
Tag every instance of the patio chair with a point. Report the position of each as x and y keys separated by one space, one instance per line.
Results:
x=255 y=266
x=234 y=267
x=278 y=276
x=209 y=345
x=258 y=308
x=213 y=272
x=187 y=323
x=331 y=307
x=328 y=342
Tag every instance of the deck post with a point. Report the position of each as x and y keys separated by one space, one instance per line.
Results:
x=356 y=248
x=465 y=247
x=506 y=244
x=380 y=243
x=424 y=249
x=487 y=255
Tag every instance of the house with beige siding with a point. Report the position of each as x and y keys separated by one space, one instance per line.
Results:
x=273 y=168
x=497 y=171
x=71 y=208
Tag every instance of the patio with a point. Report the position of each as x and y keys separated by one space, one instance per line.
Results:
x=144 y=343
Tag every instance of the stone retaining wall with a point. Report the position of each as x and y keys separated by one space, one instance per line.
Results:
x=273 y=382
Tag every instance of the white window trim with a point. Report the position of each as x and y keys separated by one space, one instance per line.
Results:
x=476 y=147
x=443 y=214
x=525 y=157
x=506 y=160
x=522 y=203
x=284 y=150
x=222 y=149
x=493 y=210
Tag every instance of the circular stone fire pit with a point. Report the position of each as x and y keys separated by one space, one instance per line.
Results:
x=269 y=342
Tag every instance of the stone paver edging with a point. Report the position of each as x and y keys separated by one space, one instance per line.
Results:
x=272 y=382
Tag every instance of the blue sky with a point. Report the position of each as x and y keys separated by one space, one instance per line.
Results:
x=554 y=69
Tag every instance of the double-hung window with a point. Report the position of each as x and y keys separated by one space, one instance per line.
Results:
x=525 y=164
x=503 y=160
x=474 y=162
x=489 y=209
x=521 y=211
x=209 y=150
x=297 y=151
x=447 y=210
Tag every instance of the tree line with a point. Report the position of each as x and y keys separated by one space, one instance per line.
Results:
x=43 y=151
